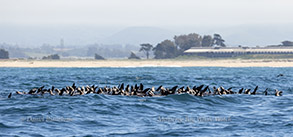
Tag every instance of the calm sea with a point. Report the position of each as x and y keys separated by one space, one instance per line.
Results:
x=174 y=115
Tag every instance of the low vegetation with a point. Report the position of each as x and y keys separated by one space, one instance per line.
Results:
x=52 y=57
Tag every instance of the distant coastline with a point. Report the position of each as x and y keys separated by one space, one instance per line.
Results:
x=149 y=63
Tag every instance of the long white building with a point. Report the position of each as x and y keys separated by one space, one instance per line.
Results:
x=236 y=51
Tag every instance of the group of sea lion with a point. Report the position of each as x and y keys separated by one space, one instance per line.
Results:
x=139 y=90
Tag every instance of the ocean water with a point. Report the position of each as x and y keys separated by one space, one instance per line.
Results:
x=173 y=115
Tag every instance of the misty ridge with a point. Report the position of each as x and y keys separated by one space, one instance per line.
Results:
x=85 y=42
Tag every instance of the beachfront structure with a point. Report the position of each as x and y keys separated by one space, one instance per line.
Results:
x=237 y=51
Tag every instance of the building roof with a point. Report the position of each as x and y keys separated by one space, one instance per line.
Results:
x=238 y=49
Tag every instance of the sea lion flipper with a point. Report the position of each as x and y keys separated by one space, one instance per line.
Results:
x=9 y=96
x=159 y=87
x=141 y=86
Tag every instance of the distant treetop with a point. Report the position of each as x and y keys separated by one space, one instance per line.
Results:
x=4 y=54
x=146 y=48
x=287 y=43
x=133 y=56
x=98 y=57
x=54 y=57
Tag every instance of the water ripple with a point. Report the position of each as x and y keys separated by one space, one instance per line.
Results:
x=174 y=115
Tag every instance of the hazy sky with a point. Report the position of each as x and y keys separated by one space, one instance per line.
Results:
x=145 y=12
x=157 y=13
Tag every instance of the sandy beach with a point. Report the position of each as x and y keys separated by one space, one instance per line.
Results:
x=148 y=63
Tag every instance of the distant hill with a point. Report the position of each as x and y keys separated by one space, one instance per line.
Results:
x=36 y=36
x=138 y=35
x=253 y=35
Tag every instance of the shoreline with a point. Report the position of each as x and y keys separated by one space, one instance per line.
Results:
x=146 y=63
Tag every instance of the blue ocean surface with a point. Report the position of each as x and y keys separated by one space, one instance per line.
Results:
x=173 y=115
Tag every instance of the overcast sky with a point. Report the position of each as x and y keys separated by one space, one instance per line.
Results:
x=157 y=13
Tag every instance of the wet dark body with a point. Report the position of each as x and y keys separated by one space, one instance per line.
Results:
x=140 y=90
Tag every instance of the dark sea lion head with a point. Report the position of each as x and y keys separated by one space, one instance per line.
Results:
x=240 y=91
x=10 y=94
x=187 y=89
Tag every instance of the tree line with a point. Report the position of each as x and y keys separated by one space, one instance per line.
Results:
x=171 y=49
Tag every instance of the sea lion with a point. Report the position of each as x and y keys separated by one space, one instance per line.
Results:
x=32 y=91
x=100 y=91
x=159 y=88
x=247 y=91
x=141 y=87
x=210 y=92
x=194 y=88
x=89 y=92
x=52 y=88
x=219 y=91
x=254 y=91
x=179 y=91
x=173 y=90
x=146 y=90
x=70 y=89
x=73 y=86
x=199 y=88
x=266 y=91
x=151 y=93
x=10 y=94
x=62 y=92
x=51 y=92
x=121 y=86
x=278 y=93
x=223 y=91
x=187 y=89
x=163 y=91
x=94 y=88
x=240 y=90
x=205 y=89
x=40 y=89
x=201 y=93
x=229 y=90
x=57 y=91
x=141 y=91
x=18 y=92
x=215 y=90
x=81 y=92
x=72 y=93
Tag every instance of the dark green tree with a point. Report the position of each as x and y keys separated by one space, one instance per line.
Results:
x=99 y=57
x=4 y=54
x=207 y=41
x=185 y=42
x=133 y=56
x=287 y=43
x=218 y=40
x=146 y=48
x=165 y=49
x=54 y=57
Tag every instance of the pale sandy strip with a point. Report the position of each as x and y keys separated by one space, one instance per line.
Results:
x=147 y=63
